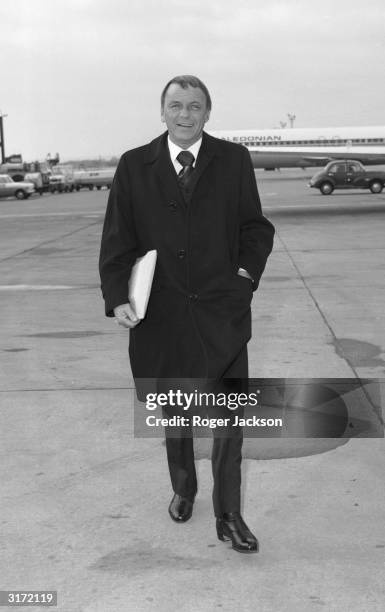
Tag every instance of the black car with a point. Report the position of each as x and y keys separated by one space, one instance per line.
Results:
x=347 y=174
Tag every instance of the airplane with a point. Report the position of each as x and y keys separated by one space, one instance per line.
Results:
x=304 y=147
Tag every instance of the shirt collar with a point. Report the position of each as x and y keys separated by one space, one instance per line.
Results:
x=176 y=149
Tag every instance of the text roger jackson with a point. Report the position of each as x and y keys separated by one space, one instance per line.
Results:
x=212 y=423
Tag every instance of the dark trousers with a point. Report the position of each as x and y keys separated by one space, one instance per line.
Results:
x=226 y=456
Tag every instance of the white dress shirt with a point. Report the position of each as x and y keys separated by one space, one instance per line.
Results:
x=175 y=150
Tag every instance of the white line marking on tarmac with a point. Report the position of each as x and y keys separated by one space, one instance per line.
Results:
x=77 y=213
x=35 y=287
x=308 y=207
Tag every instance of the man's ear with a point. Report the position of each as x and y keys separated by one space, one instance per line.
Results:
x=163 y=120
x=207 y=116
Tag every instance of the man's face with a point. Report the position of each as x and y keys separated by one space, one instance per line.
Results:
x=185 y=113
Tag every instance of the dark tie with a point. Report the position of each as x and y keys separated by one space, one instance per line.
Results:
x=186 y=159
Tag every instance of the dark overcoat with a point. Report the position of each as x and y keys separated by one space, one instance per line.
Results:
x=198 y=319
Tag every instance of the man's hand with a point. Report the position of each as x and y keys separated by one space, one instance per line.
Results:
x=125 y=316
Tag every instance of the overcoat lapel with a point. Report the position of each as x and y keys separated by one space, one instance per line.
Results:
x=207 y=151
x=166 y=175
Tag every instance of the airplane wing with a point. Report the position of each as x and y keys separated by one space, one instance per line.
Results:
x=302 y=156
x=316 y=158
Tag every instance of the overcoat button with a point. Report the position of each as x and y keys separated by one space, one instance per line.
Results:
x=193 y=296
x=173 y=206
x=181 y=254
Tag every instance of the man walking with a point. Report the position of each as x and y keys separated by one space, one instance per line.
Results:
x=194 y=199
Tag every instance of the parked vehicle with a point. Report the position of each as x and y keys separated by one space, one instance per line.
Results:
x=40 y=181
x=61 y=179
x=31 y=172
x=347 y=174
x=94 y=178
x=20 y=189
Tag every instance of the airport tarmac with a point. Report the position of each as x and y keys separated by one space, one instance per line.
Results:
x=84 y=503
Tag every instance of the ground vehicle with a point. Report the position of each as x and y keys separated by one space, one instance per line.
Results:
x=41 y=185
x=347 y=174
x=32 y=172
x=60 y=183
x=61 y=179
x=94 y=178
x=21 y=190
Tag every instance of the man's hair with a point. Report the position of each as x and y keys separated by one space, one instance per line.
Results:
x=186 y=80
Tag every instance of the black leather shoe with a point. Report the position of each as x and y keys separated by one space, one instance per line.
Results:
x=180 y=509
x=232 y=527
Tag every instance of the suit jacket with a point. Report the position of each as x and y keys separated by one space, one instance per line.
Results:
x=198 y=318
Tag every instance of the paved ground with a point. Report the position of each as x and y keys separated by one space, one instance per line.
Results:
x=84 y=503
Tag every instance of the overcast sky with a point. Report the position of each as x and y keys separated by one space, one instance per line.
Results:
x=83 y=77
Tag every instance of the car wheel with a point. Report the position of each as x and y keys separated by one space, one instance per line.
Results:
x=20 y=194
x=326 y=188
x=376 y=186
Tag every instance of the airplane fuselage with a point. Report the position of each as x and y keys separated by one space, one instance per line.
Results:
x=303 y=147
